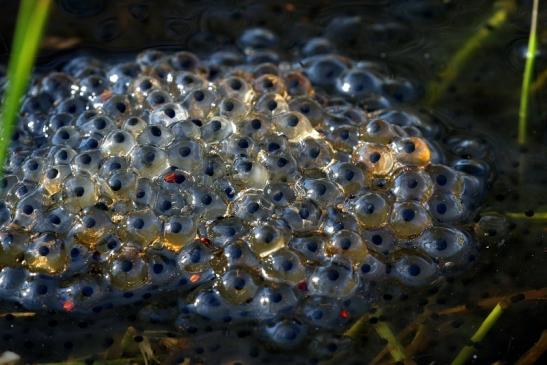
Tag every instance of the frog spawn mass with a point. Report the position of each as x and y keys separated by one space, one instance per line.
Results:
x=277 y=191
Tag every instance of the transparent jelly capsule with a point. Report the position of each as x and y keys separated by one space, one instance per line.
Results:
x=322 y=191
x=90 y=142
x=280 y=194
x=186 y=82
x=122 y=184
x=33 y=169
x=308 y=107
x=344 y=138
x=83 y=292
x=297 y=84
x=447 y=208
x=255 y=126
x=168 y=114
x=143 y=227
x=445 y=179
x=118 y=143
x=358 y=83
x=13 y=245
x=250 y=205
x=312 y=153
x=412 y=185
x=118 y=107
x=87 y=162
x=7 y=183
x=162 y=267
x=29 y=210
x=223 y=230
x=269 y=83
x=378 y=131
x=122 y=75
x=46 y=254
x=372 y=269
x=149 y=57
x=321 y=311
x=211 y=305
x=157 y=98
x=336 y=279
x=379 y=240
x=187 y=129
x=269 y=237
x=371 y=209
x=206 y=202
x=5 y=215
x=184 y=61
x=414 y=271
x=149 y=161
x=79 y=258
x=168 y=203
x=194 y=257
x=145 y=193
x=378 y=159
x=293 y=125
x=237 y=286
x=186 y=155
x=337 y=220
x=155 y=135
x=348 y=244
x=450 y=247
x=199 y=103
x=134 y=125
x=57 y=219
x=327 y=346
x=108 y=246
x=271 y=104
x=409 y=219
x=141 y=87
x=100 y=124
x=412 y=151
x=217 y=129
x=348 y=176
x=178 y=231
x=93 y=86
x=311 y=246
x=283 y=266
x=79 y=192
x=93 y=224
x=12 y=280
x=62 y=155
x=271 y=302
x=250 y=173
x=303 y=215
x=38 y=292
x=54 y=178
x=324 y=70
x=127 y=269
x=285 y=334
x=238 y=145
x=232 y=108
x=113 y=165
x=238 y=254
x=66 y=136
x=74 y=105
x=236 y=87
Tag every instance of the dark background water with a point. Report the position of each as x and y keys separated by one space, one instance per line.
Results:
x=416 y=38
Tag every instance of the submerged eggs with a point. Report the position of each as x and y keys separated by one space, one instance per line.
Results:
x=271 y=189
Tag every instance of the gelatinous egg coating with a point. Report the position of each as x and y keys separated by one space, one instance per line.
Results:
x=271 y=188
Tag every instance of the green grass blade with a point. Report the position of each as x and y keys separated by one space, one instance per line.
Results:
x=466 y=352
x=32 y=14
x=527 y=78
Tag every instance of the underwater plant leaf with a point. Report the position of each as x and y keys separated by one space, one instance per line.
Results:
x=30 y=26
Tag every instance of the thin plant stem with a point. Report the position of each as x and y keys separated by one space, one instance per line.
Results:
x=395 y=348
x=28 y=33
x=466 y=352
x=527 y=78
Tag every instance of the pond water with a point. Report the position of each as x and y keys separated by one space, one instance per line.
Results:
x=377 y=209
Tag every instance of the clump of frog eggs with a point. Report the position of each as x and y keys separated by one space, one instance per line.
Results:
x=253 y=188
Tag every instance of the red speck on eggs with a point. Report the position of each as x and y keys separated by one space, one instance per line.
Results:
x=68 y=305
x=344 y=313
x=303 y=286
x=170 y=178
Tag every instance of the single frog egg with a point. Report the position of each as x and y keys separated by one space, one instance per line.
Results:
x=409 y=219
x=283 y=266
